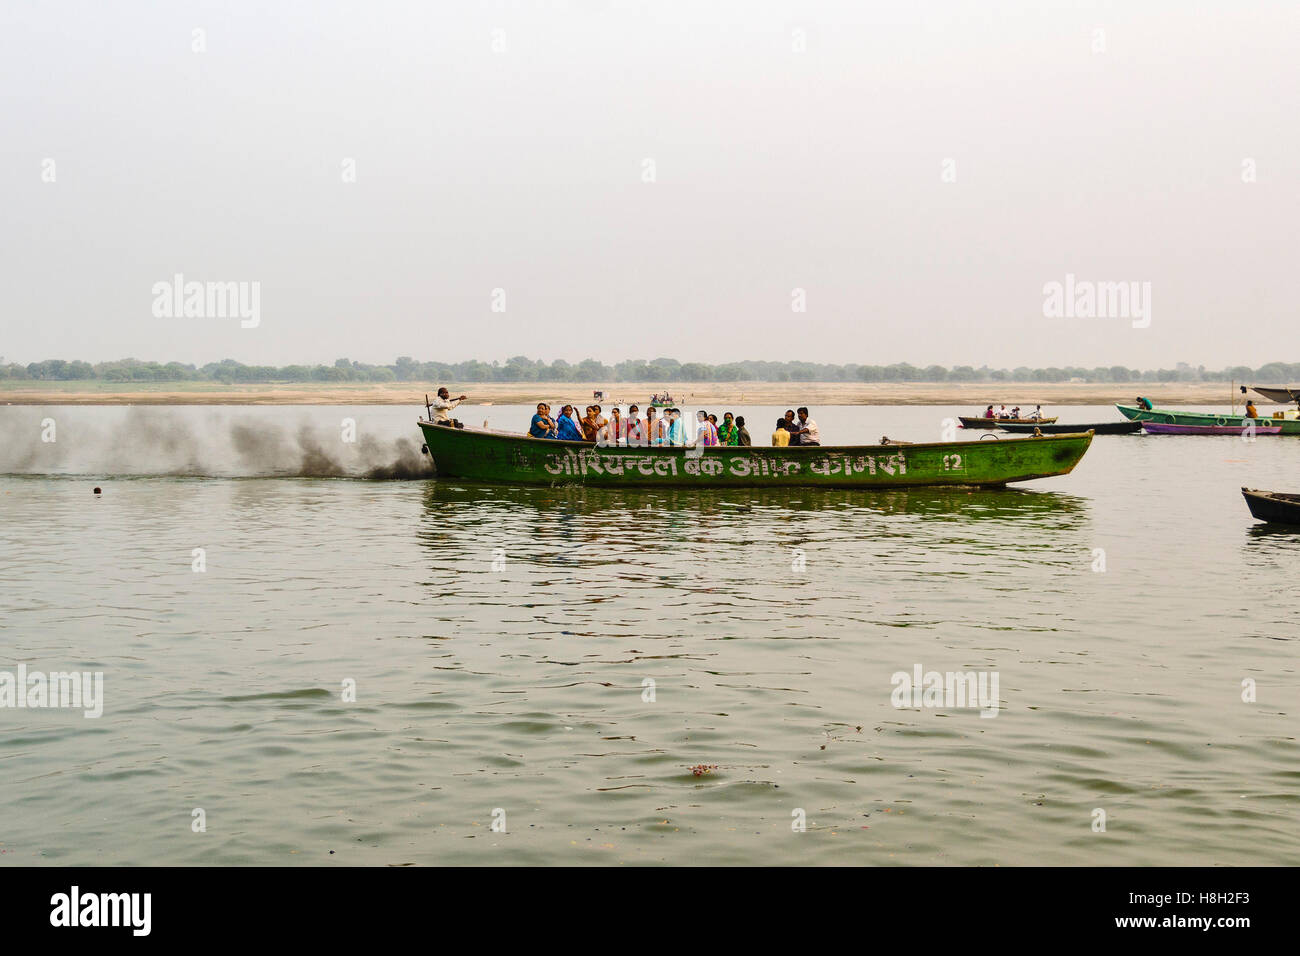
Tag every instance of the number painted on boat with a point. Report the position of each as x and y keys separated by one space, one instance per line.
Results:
x=952 y=463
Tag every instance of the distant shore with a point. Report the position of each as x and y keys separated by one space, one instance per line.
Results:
x=972 y=395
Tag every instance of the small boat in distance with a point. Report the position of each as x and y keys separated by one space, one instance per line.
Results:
x=481 y=455
x=1164 y=428
x=1023 y=427
x=1273 y=506
x=979 y=421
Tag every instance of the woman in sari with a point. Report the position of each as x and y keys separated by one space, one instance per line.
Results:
x=567 y=427
x=728 y=431
x=706 y=433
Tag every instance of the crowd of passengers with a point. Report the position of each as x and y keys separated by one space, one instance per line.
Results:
x=795 y=428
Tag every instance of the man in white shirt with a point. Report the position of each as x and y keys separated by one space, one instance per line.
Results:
x=442 y=406
x=808 y=432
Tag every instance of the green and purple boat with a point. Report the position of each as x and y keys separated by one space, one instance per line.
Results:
x=482 y=455
x=1289 y=425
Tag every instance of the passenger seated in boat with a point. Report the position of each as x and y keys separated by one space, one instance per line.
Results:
x=728 y=433
x=1250 y=409
x=617 y=427
x=742 y=433
x=781 y=436
x=706 y=433
x=634 y=432
x=442 y=406
x=988 y=412
x=791 y=426
x=1144 y=403
x=566 y=426
x=588 y=423
x=542 y=426
x=651 y=428
x=1015 y=412
x=676 y=427
x=808 y=431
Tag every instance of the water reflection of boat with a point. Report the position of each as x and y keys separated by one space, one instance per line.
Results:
x=940 y=503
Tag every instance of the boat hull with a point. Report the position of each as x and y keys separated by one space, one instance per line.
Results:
x=478 y=455
x=1284 y=395
x=975 y=421
x=1273 y=506
x=1161 y=428
x=1288 y=426
x=1097 y=428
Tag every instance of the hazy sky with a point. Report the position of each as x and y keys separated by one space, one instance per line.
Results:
x=796 y=145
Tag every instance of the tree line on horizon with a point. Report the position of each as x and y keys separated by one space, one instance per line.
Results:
x=660 y=370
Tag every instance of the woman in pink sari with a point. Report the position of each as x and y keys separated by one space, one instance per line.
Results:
x=706 y=433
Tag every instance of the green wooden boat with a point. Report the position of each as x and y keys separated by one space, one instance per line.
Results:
x=481 y=455
x=1290 y=426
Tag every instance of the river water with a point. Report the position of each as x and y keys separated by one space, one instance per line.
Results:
x=537 y=670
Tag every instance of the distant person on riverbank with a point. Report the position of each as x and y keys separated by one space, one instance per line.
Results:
x=442 y=405
x=781 y=436
x=808 y=431
x=543 y=426
x=742 y=433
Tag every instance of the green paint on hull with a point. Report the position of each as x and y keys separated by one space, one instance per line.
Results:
x=518 y=459
x=1290 y=426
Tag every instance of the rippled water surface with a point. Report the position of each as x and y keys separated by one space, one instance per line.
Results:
x=504 y=643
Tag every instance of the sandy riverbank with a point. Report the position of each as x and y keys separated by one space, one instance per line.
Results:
x=975 y=396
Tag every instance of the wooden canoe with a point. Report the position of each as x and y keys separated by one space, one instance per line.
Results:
x=977 y=421
x=481 y=455
x=1273 y=506
x=1098 y=428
